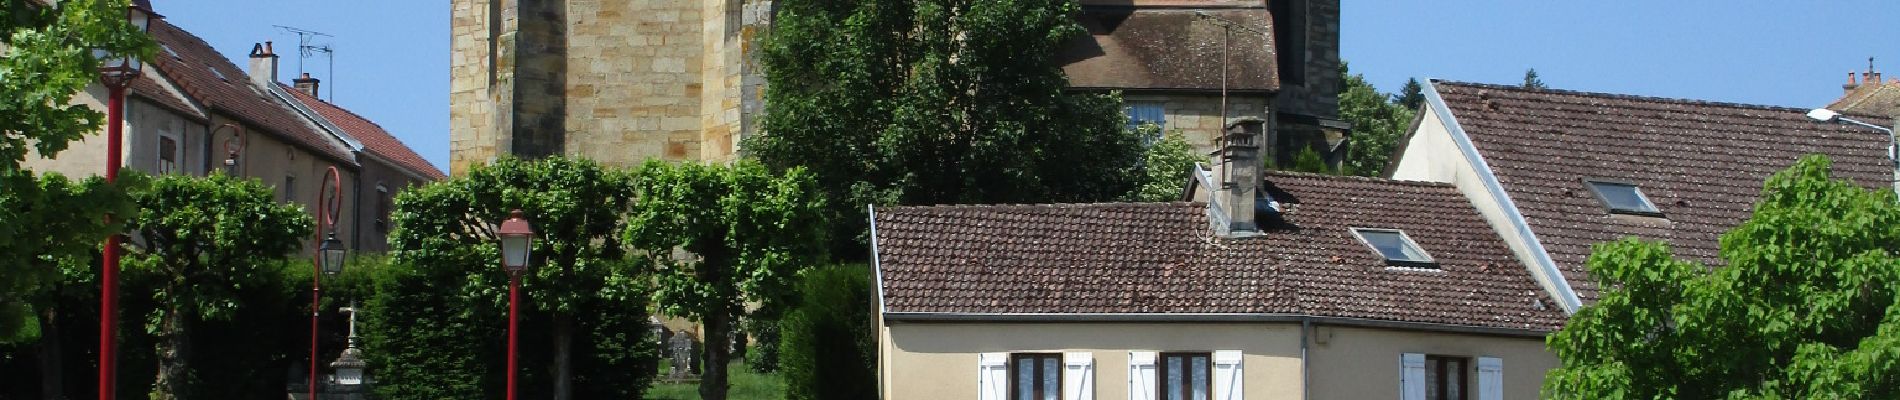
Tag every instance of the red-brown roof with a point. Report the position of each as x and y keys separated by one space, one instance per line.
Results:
x=375 y=140
x=1171 y=49
x=212 y=80
x=1702 y=163
x=1159 y=258
x=1878 y=102
x=147 y=87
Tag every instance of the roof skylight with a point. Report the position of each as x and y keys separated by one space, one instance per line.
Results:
x=214 y=72
x=1398 y=249
x=1622 y=197
x=168 y=50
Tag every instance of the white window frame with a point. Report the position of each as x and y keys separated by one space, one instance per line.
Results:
x=1595 y=186
x=1429 y=263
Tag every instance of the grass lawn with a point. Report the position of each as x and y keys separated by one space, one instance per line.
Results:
x=744 y=385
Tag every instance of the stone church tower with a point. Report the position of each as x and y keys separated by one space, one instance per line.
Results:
x=614 y=81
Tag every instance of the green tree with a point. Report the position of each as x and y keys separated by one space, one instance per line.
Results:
x=1411 y=96
x=1805 y=306
x=1531 y=81
x=722 y=236
x=828 y=339
x=1164 y=167
x=1378 y=123
x=936 y=101
x=202 y=240
x=583 y=287
x=45 y=60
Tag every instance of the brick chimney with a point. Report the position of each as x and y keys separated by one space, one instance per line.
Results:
x=306 y=84
x=263 y=64
x=1852 y=83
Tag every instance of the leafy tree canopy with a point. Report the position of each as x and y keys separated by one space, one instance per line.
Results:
x=1378 y=120
x=1806 y=305
x=937 y=101
x=721 y=236
x=1531 y=81
x=1165 y=166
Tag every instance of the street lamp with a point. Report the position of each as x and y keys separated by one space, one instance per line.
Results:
x=116 y=70
x=1826 y=115
x=232 y=146
x=517 y=243
x=329 y=257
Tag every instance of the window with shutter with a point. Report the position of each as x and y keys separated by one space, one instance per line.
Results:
x=1227 y=375
x=1078 y=376
x=1490 y=378
x=992 y=376
x=1035 y=376
x=1185 y=376
x=1141 y=375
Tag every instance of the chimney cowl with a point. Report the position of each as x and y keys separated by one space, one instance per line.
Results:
x=306 y=84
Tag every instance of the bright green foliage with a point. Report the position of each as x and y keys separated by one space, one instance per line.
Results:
x=828 y=343
x=748 y=231
x=1531 y=81
x=439 y=311
x=936 y=101
x=1378 y=120
x=45 y=59
x=1806 y=307
x=201 y=240
x=1309 y=160
x=1165 y=166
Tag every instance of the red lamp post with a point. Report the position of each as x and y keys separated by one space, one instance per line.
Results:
x=517 y=242
x=329 y=258
x=115 y=72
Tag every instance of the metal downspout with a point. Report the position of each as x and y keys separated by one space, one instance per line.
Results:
x=1306 y=391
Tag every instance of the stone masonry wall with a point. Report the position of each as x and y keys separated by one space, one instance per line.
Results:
x=1319 y=97
x=471 y=60
x=634 y=80
x=1197 y=116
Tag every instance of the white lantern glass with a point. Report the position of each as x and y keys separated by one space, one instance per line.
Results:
x=515 y=250
x=333 y=255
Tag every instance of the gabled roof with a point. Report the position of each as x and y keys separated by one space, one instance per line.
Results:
x=1171 y=48
x=1159 y=259
x=147 y=86
x=220 y=86
x=1878 y=101
x=1702 y=163
x=374 y=139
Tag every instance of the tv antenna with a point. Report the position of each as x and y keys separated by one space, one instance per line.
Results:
x=305 y=50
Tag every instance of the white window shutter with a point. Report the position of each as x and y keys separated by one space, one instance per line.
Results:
x=992 y=376
x=1490 y=378
x=1141 y=375
x=1227 y=375
x=1412 y=376
x=1078 y=376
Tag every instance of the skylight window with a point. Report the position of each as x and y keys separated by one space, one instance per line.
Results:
x=214 y=72
x=168 y=50
x=1397 y=249
x=1623 y=197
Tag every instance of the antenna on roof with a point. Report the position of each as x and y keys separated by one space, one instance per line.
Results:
x=305 y=50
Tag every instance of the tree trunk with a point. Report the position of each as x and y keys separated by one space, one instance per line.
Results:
x=52 y=370
x=563 y=356
x=718 y=349
x=174 y=348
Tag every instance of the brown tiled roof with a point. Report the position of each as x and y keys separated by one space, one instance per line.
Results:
x=212 y=80
x=375 y=140
x=147 y=87
x=1702 y=163
x=1880 y=102
x=1158 y=258
x=1170 y=49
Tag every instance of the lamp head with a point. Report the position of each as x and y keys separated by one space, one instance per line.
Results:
x=1823 y=115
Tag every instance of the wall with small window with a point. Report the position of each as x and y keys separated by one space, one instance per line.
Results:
x=1365 y=363
x=997 y=361
x=1197 y=116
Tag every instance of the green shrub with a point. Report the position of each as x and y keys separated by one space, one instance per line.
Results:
x=827 y=348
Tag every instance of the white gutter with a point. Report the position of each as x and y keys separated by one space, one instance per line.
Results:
x=877 y=275
x=309 y=114
x=1540 y=262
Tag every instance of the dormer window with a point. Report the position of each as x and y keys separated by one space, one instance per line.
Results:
x=1398 y=249
x=1622 y=197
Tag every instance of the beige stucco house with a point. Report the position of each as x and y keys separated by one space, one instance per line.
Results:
x=1554 y=172
x=194 y=112
x=1313 y=287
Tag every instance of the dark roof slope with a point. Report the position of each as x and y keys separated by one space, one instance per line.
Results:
x=1129 y=258
x=375 y=140
x=1702 y=163
x=147 y=87
x=212 y=80
x=1170 y=49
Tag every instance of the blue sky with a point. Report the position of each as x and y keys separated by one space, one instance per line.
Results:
x=392 y=56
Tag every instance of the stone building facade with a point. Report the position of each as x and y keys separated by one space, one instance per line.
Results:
x=617 y=82
x=622 y=82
